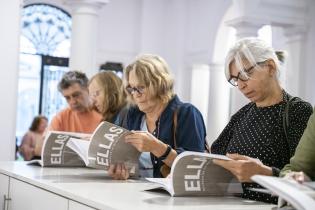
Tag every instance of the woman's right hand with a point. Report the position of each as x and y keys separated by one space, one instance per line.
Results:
x=118 y=171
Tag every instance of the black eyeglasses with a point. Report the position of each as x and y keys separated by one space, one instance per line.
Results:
x=139 y=90
x=243 y=75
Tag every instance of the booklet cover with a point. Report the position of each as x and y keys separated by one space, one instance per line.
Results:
x=292 y=195
x=194 y=174
x=104 y=147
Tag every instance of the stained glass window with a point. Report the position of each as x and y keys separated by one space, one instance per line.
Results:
x=45 y=32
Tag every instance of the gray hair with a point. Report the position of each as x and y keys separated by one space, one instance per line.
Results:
x=71 y=77
x=253 y=50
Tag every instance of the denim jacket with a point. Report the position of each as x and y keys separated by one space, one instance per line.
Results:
x=190 y=130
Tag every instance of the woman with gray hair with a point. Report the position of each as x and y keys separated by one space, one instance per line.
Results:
x=262 y=136
x=162 y=125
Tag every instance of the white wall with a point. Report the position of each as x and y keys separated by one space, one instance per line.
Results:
x=182 y=31
x=309 y=77
x=119 y=31
x=9 y=40
x=202 y=22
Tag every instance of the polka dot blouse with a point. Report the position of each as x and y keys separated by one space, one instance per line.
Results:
x=258 y=132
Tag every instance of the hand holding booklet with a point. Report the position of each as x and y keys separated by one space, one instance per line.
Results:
x=106 y=146
x=194 y=174
x=299 y=196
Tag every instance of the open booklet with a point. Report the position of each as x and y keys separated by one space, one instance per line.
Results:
x=194 y=174
x=104 y=147
x=299 y=196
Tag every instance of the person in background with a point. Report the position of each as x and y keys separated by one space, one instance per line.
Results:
x=79 y=116
x=255 y=138
x=29 y=148
x=108 y=96
x=302 y=164
x=155 y=133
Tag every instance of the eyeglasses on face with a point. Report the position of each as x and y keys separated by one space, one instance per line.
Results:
x=243 y=75
x=139 y=90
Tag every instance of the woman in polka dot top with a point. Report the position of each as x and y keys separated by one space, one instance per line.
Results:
x=254 y=138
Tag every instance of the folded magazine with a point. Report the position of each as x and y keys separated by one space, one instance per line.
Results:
x=195 y=174
x=104 y=147
x=292 y=195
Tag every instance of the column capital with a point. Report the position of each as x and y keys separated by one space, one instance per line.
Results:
x=245 y=26
x=86 y=6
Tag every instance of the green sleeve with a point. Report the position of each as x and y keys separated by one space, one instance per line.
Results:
x=304 y=157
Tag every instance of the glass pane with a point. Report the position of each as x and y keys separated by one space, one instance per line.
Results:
x=48 y=29
x=52 y=100
x=45 y=30
x=28 y=92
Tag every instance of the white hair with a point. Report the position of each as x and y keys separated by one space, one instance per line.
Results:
x=253 y=50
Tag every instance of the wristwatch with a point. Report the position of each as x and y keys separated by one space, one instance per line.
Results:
x=166 y=153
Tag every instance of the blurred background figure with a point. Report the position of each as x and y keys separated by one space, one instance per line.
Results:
x=108 y=96
x=31 y=140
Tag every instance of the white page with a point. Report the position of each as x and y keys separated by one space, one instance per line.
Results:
x=166 y=183
x=81 y=147
x=294 y=193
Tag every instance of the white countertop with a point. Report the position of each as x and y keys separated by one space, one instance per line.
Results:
x=94 y=188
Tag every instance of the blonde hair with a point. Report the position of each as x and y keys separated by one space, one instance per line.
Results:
x=153 y=72
x=114 y=95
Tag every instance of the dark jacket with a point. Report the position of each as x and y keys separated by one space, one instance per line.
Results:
x=190 y=130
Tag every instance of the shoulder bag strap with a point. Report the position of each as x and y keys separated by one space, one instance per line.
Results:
x=175 y=126
x=285 y=119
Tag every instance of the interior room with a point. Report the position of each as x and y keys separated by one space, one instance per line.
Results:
x=42 y=39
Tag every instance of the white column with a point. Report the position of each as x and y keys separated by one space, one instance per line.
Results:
x=84 y=34
x=295 y=69
x=244 y=28
x=218 y=108
x=199 y=91
x=10 y=17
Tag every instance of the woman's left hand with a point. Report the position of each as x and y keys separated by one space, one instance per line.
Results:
x=298 y=176
x=143 y=141
x=244 y=167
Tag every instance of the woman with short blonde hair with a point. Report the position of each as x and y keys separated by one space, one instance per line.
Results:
x=162 y=125
x=153 y=72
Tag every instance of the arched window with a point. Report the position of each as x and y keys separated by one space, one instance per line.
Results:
x=46 y=30
x=44 y=51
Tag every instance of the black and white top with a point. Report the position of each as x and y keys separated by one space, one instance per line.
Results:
x=258 y=132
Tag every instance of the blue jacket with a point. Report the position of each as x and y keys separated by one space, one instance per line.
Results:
x=190 y=131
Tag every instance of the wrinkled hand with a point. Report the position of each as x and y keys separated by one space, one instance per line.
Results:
x=143 y=141
x=243 y=167
x=298 y=176
x=118 y=171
